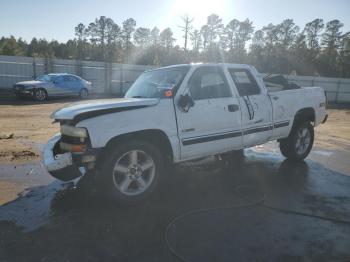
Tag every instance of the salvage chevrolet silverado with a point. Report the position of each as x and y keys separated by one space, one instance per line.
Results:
x=175 y=114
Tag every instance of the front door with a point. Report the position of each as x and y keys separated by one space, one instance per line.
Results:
x=56 y=86
x=256 y=108
x=212 y=125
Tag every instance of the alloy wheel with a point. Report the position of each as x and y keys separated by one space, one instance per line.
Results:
x=303 y=140
x=133 y=172
x=40 y=94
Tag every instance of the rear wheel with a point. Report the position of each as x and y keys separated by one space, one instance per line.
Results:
x=40 y=94
x=131 y=171
x=298 y=144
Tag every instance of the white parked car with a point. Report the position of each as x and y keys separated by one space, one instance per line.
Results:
x=175 y=114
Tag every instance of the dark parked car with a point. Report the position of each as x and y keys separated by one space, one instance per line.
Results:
x=53 y=85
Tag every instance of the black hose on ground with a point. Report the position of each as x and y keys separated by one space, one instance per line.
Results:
x=259 y=202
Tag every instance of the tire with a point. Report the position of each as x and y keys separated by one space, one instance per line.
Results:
x=84 y=93
x=130 y=172
x=40 y=94
x=298 y=144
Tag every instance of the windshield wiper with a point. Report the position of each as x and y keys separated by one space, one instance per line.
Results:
x=138 y=97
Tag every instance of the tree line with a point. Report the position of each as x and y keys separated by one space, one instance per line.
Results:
x=319 y=48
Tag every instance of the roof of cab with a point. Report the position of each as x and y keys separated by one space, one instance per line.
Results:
x=207 y=64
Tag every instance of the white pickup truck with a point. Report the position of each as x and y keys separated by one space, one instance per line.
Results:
x=175 y=114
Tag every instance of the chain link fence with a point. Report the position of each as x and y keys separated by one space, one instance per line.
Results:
x=110 y=78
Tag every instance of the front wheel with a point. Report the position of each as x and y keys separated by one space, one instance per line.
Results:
x=298 y=144
x=131 y=171
x=40 y=94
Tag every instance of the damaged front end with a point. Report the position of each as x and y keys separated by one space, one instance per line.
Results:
x=68 y=153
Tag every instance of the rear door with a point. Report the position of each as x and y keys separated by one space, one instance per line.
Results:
x=256 y=107
x=213 y=124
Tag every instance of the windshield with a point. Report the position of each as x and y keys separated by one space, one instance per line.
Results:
x=45 y=78
x=152 y=84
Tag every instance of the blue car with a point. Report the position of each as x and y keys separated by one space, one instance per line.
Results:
x=53 y=85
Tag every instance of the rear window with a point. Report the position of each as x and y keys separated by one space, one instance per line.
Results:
x=244 y=82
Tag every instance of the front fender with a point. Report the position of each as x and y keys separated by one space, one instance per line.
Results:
x=160 y=117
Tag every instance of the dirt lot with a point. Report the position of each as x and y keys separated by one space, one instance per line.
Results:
x=25 y=127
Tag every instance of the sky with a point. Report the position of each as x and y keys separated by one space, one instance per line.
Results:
x=57 y=19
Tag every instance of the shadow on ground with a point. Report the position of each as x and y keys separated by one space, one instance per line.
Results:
x=57 y=223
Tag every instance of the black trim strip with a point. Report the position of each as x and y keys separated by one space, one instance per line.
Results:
x=219 y=136
x=257 y=130
x=91 y=114
x=209 y=138
x=281 y=124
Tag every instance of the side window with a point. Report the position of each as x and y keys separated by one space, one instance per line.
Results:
x=59 y=79
x=73 y=78
x=208 y=83
x=66 y=78
x=245 y=82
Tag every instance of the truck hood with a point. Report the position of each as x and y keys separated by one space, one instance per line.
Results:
x=93 y=108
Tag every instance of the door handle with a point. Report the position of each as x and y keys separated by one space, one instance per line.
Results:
x=275 y=98
x=233 y=108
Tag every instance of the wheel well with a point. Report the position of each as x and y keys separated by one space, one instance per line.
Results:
x=154 y=136
x=305 y=114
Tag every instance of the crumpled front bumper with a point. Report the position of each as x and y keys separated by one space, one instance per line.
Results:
x=60 y=166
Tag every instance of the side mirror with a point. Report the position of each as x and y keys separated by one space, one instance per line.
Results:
x=185 y=102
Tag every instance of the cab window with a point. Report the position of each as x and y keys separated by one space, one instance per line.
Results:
x=244 y=82
x=208 y=83
x=66 y=78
